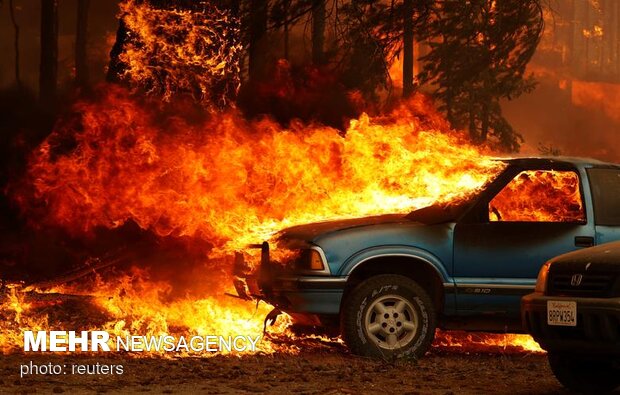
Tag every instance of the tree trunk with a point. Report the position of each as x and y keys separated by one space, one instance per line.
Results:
x=81 y=43
x=48 y=71
x=407 y=48
x=602 y=53
x=449 y=109
x=570 y=32
x=258 y=30
x=287 y=30
x=577 y=52
x=117 y=67
x=473 y=130
x=318 y=31
x=286 y=41
x=586 y=19
x=617 y=43
x=613 y=39
x=484 y=124
x=15 y=43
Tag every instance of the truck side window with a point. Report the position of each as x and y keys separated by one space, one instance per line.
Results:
x=539 y=196
x=605 y=186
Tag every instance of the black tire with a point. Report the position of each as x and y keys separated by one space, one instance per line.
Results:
x=585 y=374
x=413 y=328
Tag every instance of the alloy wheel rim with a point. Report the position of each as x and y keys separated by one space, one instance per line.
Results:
x=391 y=322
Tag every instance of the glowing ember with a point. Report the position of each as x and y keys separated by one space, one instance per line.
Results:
x=485 y=342
x=595 y=32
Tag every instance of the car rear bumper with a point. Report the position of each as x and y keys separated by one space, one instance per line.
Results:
x=597 y=330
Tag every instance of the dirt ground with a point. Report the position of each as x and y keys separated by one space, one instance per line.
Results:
x=326 y=371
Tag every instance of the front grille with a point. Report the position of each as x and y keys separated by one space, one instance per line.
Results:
x=590 y=285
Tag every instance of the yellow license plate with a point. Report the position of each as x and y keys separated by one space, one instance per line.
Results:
x=561 y=313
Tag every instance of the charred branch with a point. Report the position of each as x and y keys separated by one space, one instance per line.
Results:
x=90 y=267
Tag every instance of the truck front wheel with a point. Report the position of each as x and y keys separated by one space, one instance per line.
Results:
x=388 y=316
x=585 y=374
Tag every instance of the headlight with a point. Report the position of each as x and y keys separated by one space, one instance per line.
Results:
x=541 y=282
x=310 y=259
x=316 y=261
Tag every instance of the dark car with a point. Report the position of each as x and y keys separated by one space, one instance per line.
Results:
x=574 y=314
x=388 y=281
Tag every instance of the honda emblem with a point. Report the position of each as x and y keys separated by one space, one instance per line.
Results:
x=575 y=281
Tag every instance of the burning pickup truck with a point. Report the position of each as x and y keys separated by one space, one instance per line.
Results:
x=388 y=281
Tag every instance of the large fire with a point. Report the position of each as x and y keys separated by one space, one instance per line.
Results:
x=218 y=181
x=229 y=182
x=559 y=198
x=235 y=182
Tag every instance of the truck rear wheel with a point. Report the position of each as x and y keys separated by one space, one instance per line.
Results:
x=585 y=374
x=388 y=316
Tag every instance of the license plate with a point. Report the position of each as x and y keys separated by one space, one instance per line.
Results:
x=561 y=313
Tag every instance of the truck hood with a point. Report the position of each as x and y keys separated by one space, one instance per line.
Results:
x=309 y=232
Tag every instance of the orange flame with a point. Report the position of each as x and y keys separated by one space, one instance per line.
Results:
x=230 y=182
x=223 y=180
x=485 y=342
x=172 y=51
x=234 y=182
x=539 y=196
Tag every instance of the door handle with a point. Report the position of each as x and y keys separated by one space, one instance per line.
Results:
x=584 y=241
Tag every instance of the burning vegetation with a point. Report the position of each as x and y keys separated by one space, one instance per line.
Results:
x=232 y=182
x=167 y=51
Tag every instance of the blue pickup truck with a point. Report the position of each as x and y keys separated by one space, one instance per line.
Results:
x=388 y=281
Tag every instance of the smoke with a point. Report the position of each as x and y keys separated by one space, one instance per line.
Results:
x=573 y=117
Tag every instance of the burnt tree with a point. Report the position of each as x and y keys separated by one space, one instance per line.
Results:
x=15 y=42
x=408 y=25
x=287 y=28
x=318 y=31
x=48 y=71
x=258 y=30
x=81 y=43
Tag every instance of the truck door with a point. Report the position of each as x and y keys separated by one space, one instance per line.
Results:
x=537 y=215
x=605 y=189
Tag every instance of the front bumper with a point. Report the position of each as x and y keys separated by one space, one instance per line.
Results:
x=289 y=291
x=597 y=330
